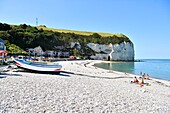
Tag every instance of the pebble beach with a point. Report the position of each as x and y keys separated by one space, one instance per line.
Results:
x=81 y=88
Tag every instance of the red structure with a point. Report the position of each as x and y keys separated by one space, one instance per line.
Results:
x=3 y=53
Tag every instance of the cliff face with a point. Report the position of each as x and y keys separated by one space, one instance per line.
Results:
x=116 y=52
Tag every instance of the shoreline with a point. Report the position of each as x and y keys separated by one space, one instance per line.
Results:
x=81 y=87
x=131 y=73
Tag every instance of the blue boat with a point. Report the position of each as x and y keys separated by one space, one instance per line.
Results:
x=37 y=67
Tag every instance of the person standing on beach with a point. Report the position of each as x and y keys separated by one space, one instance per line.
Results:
x=140 y=73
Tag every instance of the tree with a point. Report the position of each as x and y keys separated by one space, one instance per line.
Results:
x=23 y=26
x=4 y=27
x=75 y=52
x=96 y=35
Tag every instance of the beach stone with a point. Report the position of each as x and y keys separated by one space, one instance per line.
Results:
x=76 y=93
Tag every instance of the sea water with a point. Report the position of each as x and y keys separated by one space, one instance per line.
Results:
x=156 y=68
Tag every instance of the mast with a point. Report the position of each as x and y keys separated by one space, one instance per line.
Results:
x=36 y=21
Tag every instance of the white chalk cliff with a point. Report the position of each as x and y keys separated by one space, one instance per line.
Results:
x=123 y=51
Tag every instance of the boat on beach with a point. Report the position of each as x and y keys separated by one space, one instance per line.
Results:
x=38 y=67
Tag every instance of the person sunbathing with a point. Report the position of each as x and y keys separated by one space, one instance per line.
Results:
x=135 y=80
x=141 y=82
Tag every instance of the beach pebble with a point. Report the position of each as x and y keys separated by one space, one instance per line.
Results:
x=93 y=91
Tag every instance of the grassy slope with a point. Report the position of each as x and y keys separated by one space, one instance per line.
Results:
x=78 y=32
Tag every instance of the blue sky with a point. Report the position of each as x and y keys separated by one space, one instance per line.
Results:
x=145 y=22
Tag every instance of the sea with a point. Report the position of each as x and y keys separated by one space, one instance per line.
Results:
x=156 y=68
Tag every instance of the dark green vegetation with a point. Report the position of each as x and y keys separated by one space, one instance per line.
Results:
x=19 y=37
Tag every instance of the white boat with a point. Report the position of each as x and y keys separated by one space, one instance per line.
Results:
x=38 y=67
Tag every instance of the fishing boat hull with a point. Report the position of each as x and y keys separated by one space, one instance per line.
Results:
x=38 y=67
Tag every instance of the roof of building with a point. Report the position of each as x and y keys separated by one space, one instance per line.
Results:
x=1 y=40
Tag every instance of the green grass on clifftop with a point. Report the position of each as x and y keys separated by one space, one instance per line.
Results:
x=78 y=32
